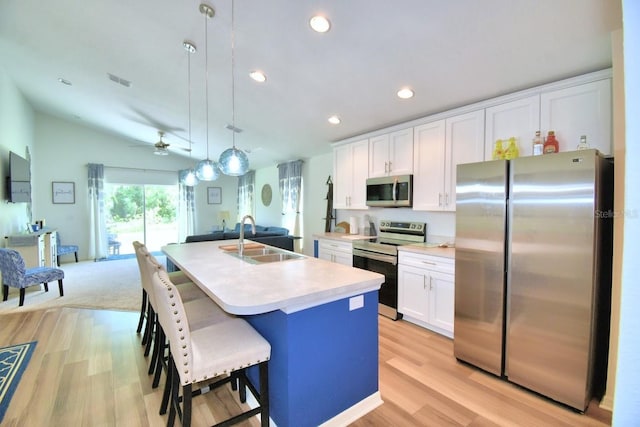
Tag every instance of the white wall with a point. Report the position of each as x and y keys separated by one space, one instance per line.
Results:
x=315 y=172
x=16 y=134
x=272 y=214
x=62 y=150
x=206 y=214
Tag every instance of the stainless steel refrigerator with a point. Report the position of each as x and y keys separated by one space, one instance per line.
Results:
x=533 y=271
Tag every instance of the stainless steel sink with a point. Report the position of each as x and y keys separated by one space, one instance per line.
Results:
x=265 y=255
x=277 y=257
x=261 y=251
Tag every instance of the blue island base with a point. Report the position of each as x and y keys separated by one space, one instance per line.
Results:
x=324 y=360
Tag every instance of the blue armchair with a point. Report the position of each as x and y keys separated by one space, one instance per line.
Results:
x=64 y=249
x=16 y=275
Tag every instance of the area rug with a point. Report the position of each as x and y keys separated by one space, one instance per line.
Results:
x=13 y=361
x=113 y=285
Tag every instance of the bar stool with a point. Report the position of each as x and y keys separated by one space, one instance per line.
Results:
x=224 y=348
x=201 y=312
x=188 y=289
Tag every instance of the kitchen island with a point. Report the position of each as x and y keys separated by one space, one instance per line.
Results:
x=320 y=318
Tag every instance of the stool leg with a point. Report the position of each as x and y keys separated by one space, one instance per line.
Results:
x=264 y=394
x=58 y=260
x=186 y=405
x=166 y=395
x=148 y=326
x=174 y=399
x=151 y=336
x=143 y=311
x=60 y=287
x=5 y=292
x=46 y=286
x=76 y=254
x=21 y=303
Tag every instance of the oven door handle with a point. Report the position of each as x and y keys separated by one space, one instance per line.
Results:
x=378 y=257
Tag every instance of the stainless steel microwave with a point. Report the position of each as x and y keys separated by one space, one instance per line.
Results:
x=390 y=191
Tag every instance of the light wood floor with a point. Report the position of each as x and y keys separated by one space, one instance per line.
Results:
x=88 y=370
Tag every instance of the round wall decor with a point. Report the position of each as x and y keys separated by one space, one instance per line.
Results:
x=266 y=195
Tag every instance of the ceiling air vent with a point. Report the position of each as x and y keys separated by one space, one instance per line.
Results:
x=233 y=128
x=123 y=82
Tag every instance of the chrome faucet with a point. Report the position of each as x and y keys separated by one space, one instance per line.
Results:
x=241 y=239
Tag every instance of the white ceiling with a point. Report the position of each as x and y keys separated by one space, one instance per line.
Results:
x=451 y=52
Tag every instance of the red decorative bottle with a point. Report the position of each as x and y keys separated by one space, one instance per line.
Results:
x=551 y=143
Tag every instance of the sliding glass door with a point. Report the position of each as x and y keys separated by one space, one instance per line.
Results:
x=147 y=213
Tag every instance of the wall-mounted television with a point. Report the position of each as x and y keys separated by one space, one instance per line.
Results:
x=19 y=179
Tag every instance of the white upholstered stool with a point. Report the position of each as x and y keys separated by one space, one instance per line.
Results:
x=220 y=349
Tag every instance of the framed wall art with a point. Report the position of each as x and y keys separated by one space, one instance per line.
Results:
x=63 y=192
x=214 y=195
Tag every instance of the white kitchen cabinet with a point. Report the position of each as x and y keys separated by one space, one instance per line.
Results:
x=426 y=291
x=583 y=109
x=391 y=154
x=465 y=144
x=438 y=148
x=336 y=251
x=428 y=166
x=350 y=162
x=519 y=118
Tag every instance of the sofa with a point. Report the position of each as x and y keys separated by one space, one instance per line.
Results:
x=272 y=236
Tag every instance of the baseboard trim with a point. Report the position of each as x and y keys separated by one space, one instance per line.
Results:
x=356 y=411
x=344 y=418
x=607 y=402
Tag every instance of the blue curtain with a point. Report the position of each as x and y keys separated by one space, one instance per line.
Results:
x=186 y=210
x=98 y=245
x=290 y=183
x=246 y=184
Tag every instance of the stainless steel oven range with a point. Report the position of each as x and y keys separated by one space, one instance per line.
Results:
x=380 y=255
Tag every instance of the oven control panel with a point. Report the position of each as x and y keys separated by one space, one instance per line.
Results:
x=403 y=227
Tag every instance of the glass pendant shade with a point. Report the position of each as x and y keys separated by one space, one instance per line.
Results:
x=207 y=170
x=233 y=162
x=188 y=177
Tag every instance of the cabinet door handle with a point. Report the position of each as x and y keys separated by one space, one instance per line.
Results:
x=424 y=282
x=389 y=166
x=446 y=199
x=429 y=263
x=430 y=283
x=386 y=167
x=439 y=199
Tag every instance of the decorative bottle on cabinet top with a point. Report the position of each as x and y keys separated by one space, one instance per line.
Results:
x=537 y=144
x=498 y=151
x=512 y=151
x=551 y=143
x=583 y=145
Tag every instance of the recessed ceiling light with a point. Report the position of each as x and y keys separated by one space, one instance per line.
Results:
x=334 y=120
x=64 y=81
x=258 y=76
x=405 y=93
x=320 y=24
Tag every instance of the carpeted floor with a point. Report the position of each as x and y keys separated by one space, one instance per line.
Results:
x=113 y=285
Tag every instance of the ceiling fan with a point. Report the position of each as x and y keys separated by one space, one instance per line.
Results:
x=162 y=148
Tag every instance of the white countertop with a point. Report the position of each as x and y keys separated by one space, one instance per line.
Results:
x=429 y=249
x=342 y=236
x=243 y=288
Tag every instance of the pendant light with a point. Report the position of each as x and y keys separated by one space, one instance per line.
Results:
x=207 y=170
x=233 y=161
x=189 y=177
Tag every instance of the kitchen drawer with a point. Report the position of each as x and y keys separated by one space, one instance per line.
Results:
x=434 y=263
x=334 y=245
